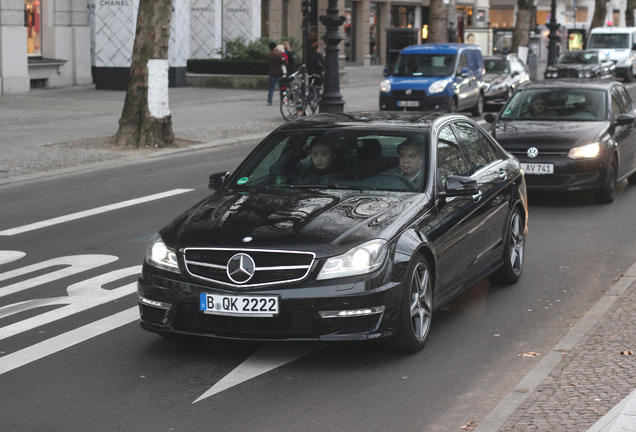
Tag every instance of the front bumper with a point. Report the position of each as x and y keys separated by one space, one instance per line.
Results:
x=569 y=175
x=439 y=103
x=169 y=304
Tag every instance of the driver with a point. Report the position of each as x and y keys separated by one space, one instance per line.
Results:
x=411 y=162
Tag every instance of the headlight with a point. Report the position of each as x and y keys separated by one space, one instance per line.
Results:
x=438 y=86
x=498 y=87
x=385 y=86
x=360 y=260
x=587 y=151
x=159 y=255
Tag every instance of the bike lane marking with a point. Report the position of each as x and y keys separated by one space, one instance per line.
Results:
x=91 y=212
x=66 y=340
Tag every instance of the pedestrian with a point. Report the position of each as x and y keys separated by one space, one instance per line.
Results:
x=281 y=49
x=275 y=60
x=291 y=64
x=315 y=62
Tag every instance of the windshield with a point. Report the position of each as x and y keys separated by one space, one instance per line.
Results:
x=338 y=158
x=578 y=57
x=562 y=104
x=428 y=65
x=497 y=66
x=609 y=40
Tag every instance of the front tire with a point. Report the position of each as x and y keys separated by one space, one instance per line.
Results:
x=514 y=251
x=607 y=193
x=416 y=307
x=479 y=108
x=452 y=106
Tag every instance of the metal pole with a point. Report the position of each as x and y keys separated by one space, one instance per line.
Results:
x=553 y=37
x=331 y=98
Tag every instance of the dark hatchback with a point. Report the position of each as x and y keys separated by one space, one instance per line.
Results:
x=341 y=227
x=589 y=64
x=503 y=75
x=582 y=138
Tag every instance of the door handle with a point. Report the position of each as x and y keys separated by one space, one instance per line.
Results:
x=477 y=197
x=502 y=174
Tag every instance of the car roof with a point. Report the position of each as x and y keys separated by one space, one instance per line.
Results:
x=372 y=120
x=439 y=48
x=613 y=30
x=571 y=83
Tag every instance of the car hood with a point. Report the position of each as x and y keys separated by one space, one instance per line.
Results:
x=546 y=135
x=315 y=220
x=413 y=83
x=494 y=79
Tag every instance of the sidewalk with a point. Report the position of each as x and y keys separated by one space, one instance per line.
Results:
x=572 y=388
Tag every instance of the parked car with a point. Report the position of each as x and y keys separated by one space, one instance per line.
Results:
x=617 y=44
x=503 y=75
x=582 y=64
x=571 y=135
x=435 y=77
x=341 y=227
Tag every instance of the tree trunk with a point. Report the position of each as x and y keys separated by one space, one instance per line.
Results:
x=142 y=125
x=629 y=13
x=437 y=22
x=524 y=23
x=600 y=13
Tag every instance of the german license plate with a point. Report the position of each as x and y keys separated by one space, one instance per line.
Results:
x=537 y=168
x=238 y=305
x=408 y=103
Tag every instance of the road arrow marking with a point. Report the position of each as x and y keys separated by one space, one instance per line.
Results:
x=268 y=358
x=92 y=212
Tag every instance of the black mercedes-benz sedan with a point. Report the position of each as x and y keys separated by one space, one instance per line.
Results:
x=503 y=75
x=571 y=135
x=336 y=227
x=582 y=64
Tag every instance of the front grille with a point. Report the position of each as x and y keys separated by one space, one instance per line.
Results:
x=270 y=266
x=414 y=93
x=568 y=73
x=290 y=322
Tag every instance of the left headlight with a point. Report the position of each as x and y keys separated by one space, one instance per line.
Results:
x=159 y=255
x=385 y=86
x=438 y=86
x=362 y=259
x=587 y=151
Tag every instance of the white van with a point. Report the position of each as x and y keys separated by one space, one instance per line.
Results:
x=619 y=45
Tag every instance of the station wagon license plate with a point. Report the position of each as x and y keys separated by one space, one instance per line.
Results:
x=238 y=305
x=537 y=168
x=408 y=103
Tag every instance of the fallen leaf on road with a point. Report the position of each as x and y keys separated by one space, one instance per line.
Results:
x=471 y=425
x=529 y=354
x=627 y=353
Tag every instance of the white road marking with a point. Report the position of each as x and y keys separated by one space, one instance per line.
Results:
x=81 y=296
x=66 y=340
x=76 y=264
x=268 y=358
x=92 y=212
x=8 y=256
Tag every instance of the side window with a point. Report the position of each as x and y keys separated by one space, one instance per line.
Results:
x=479 y=150
x=625 y=97
x=617 y=102
x=471 y=60
x=450 y=160
x=462 y=62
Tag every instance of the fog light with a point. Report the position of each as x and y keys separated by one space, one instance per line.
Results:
x=154 y=303
x=352 y=312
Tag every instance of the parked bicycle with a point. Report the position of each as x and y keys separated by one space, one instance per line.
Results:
x=300 y=94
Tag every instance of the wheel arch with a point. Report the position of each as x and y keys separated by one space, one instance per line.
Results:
x=410 y=243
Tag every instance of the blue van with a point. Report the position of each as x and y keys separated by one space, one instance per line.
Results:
x=444 y=77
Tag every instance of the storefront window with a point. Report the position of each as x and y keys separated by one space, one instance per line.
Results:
x=32 y=21
x=403 y=16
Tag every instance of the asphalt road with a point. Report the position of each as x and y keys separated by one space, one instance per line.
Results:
x=73 y=358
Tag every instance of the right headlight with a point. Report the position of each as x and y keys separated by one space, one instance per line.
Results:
x=159 y=255
x=362 y=259
x=385 y=86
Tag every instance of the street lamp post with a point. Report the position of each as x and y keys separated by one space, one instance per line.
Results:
x=331 y=98
x=553 y=36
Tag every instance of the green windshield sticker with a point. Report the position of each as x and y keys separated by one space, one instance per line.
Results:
x=242 y=180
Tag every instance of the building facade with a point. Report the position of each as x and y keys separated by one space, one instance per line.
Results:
x=56 y=43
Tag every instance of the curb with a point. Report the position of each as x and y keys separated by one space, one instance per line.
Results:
x=626 y=409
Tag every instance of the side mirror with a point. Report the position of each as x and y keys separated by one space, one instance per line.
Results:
x=460 y=186
x=490 y=117
x=625 y=119
x=463 y=73
x=217 y=180
x=387 y=70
